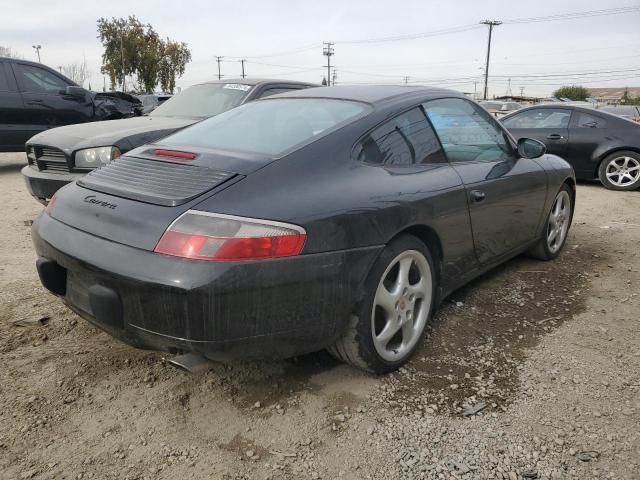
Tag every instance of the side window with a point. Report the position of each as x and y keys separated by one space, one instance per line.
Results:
x=38 y=80
x=467 y=132
x=539 y=118
x=406 y=140
x=274 y=91
x=4 y=84
x=589 y=121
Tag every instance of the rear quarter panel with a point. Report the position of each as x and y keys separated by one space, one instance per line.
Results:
x=344 y=204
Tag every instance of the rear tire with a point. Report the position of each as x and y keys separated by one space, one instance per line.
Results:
x=620 y=171
x=556 y=228
x=389 y=323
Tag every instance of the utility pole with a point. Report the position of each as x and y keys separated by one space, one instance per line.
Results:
x=334 y=76
x=219 y=60
x=475 y=88
x=509 y=92
x=124 y=78
x=37 y=49
x=521 y=92
x=406 y=79
x=242 y=62
x=328 y=51
x=491 y=23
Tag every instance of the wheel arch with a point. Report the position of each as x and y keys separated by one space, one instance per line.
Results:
x=601 y=156
x=427 y=235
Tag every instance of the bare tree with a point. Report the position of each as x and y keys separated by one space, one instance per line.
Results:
x=77 y=71
x=7 y=52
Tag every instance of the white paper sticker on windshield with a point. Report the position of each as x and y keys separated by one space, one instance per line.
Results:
x=237 y=86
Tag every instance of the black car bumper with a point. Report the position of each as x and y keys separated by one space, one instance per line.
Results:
x=42 y=185
x=274 y=308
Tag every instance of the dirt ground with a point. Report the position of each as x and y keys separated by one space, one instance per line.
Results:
x=532 y=371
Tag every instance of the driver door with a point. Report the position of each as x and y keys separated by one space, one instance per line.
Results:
x=547 y=125
x=505 y=193
x=46 y=106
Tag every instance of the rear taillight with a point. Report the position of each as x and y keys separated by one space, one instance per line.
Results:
x=209 y=236
x=49 y=206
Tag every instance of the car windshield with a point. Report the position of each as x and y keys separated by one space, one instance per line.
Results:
x=270 y=126
x=205 y=100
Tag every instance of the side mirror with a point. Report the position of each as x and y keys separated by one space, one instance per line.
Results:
x=530 y=148
x=72 y=91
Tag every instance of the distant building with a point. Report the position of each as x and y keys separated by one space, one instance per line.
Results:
x=613 y=94
x=518 y=98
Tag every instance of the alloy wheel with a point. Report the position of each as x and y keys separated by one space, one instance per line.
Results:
x=623 y=171
x=401 y=305
x=559 y=220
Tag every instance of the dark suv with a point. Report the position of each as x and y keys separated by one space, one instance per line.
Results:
x=34 y=98
x=59 y=156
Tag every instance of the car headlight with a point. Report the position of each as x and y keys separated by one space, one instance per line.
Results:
x=96 y=157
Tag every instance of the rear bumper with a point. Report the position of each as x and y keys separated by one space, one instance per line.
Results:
x=276 y=308
x=43 y=185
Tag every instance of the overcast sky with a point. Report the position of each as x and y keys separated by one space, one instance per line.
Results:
x=562 y=50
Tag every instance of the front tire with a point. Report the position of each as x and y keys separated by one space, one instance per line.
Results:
x=557 y=227
x=620 y=171
x=388 y=325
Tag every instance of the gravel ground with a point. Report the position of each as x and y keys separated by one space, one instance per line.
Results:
x=532 y=371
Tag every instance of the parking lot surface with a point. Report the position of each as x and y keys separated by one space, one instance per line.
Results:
x=532 y=371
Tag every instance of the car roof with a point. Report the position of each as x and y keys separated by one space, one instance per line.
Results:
x=564 y=106
x=259 y=81
x=13 y=59
x=38 y=64
x=373 y=94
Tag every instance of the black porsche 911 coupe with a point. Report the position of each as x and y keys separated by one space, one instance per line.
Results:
x=333 y=218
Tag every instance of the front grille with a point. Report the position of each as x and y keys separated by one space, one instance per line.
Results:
x=152 y=181
x=52 y=159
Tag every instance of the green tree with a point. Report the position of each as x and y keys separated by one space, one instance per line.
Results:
x=573 y=92
x=324 y=81
x=133 y=49
x=173 y=61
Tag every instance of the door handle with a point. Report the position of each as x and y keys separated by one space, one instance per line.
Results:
x=477 y=195
x=35 y=102
x=554 y=136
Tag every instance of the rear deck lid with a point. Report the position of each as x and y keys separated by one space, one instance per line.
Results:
x=156 y=182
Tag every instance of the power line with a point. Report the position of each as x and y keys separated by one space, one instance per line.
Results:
x=410 y=36
x=466 y=28
x=569 y=74
x=280 y=54
x=277 y=65
x=574 y=15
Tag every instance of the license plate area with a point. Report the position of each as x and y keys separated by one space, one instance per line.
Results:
x=78 y=291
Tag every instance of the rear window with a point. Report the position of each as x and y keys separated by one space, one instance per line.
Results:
x=270 y=126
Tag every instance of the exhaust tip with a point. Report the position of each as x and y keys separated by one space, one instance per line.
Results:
x=190 y=362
